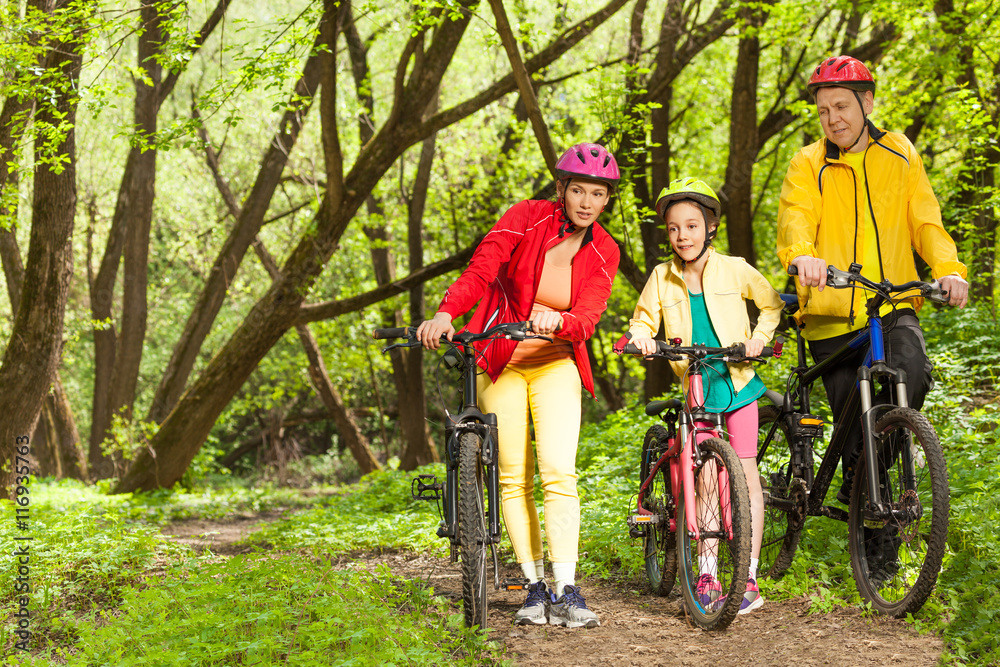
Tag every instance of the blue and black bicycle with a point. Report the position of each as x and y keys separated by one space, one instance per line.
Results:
x=898 y=511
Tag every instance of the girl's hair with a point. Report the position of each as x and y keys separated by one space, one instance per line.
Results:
x=711 y=219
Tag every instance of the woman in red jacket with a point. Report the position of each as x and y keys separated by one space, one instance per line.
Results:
x=551 y=263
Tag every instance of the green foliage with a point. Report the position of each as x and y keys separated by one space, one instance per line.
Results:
x=377 y=513
x=109 y=589
x=290 y=610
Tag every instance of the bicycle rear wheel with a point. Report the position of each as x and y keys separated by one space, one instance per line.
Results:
x=472 y=530
x=782 y=525
x=658 y=549
x=896 y=558
x=723 y=545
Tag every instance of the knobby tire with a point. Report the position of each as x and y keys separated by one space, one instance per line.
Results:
x=896 y=560
x=733 y=553
x=658 y=544
x=472 y=530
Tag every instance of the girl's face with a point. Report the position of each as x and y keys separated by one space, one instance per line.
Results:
x=585 y=199
x=686 y=229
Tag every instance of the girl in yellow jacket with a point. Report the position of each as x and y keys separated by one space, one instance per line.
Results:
x=700 y=296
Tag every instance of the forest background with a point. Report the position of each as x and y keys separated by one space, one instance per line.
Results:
x=206 y=208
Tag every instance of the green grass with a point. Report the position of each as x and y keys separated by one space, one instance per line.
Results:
x=109 y=589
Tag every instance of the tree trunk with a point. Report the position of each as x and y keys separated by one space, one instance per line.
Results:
x=103 y=286
x=249 y=222
x=184 y=430
x=32 y=355
x=135 y=264
x=350 y=433
x=65 y=437
x=45 y=455
x=420 y=448
x=738 y=194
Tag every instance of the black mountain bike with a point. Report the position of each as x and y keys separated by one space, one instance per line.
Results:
x=898 y=511
x=470 y=516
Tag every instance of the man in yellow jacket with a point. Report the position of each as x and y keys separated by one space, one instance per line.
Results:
x=861 y=195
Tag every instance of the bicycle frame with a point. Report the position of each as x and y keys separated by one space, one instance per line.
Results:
x=682 y=463
x=471 y=419
x=859 y=404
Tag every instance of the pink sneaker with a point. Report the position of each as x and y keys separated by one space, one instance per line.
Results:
x=752 y=599
x=707 y=590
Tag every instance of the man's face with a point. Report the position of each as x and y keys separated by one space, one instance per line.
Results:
x=841 y=117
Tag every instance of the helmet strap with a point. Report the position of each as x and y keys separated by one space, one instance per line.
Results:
x=566 y=225
x=709 y=235
x=864 y=123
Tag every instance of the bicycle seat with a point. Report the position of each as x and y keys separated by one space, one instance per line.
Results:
x=654 y=408
x=791 y=302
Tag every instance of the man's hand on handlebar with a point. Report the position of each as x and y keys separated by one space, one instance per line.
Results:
x=430 y=331
x=957 y=288
x=812 y=271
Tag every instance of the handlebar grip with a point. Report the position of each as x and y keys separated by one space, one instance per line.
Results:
x=630 y=348
x=793 y=270
x=392 y=332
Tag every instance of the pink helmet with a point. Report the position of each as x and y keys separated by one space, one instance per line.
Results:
x=588 y=161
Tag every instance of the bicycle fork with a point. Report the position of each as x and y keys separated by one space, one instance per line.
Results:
x=487 y=432
x=687 y=434
x=865 y=377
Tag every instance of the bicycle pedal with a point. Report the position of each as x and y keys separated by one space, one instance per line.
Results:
x=423 y=491
x=515 y=584
x=637 y=531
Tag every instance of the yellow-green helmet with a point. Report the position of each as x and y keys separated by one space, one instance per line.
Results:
x=690 y=188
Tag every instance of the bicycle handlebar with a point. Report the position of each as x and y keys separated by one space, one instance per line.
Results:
x=839 y=279
x=674 y=351
x=513 y=330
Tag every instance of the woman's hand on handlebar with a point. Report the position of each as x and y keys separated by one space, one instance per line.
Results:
x=646 y=345
x=957 y=288
x=547 y=322
x=430 y=331
x=753 y=347
x=812 y=271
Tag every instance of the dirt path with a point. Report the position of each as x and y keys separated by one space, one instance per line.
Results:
x=638 y=628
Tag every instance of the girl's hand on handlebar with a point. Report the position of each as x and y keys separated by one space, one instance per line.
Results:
x=957 y=288
x=646 y=345
x=753 y=347
x=430 y=331
x=547 y=322
x=812 y=271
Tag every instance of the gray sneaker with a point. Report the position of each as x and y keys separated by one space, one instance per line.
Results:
x=535 y=607
x=571 y=610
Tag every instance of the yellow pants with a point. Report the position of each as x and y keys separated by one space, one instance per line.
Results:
x=551 y=393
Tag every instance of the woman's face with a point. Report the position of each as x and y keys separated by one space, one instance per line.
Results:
x=686 y=229
x=585 y=199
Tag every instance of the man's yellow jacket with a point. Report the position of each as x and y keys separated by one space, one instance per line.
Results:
x=821 y=214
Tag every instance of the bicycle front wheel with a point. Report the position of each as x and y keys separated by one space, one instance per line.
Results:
x=657 y=543
x=896 y=553
x=782 y=499
x=714 y=564
x=472 y=530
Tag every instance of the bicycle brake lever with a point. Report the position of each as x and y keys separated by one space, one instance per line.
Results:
x=395 y=345
x=934 y=292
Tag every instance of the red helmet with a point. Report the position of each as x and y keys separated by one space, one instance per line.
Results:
x=843 y=72
x=588 y=161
